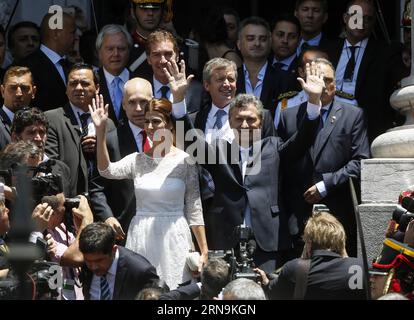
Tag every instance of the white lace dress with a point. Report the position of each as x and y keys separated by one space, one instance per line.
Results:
x=168 y=201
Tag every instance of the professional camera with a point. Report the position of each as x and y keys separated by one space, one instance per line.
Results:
x=240 y=258
x=402 y=215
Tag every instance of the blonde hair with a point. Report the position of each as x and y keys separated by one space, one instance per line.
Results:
x=324 y=232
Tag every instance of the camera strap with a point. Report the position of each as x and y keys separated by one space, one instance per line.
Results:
x=301 y=284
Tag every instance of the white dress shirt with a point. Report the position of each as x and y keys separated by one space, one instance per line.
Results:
x=212 y=133
x=55 y=58
x=78 y=112
x=136 y=132
x=95 y=289
x=257 y=90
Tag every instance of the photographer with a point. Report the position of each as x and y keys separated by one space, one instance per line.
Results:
x=57 y=232
x=324 y=271
x=30 y=125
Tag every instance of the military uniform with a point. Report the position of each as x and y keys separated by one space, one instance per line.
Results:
x=138 y=58
x=287 y=100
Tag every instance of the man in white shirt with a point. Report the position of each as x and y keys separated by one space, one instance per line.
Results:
x=113 y=45
x=18 y=91
x=257 y=76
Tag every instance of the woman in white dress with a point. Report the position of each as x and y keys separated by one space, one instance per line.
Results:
x=167 y=194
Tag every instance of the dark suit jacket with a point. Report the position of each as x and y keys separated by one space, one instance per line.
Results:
x=380 y=70
x=103 y=89
x=260 y=191
x=328 y=278
x=63 y=143
x=51 y=90
x=275 y=82
x=334 y=157
x=133 y=274
x=187 y=292
x=5 y=129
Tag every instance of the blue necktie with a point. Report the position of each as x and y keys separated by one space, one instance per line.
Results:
x=219 y=116
x=117 y=85
x=105 y=292
x=164 y=91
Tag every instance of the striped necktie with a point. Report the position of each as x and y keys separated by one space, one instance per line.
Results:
x=105 y=292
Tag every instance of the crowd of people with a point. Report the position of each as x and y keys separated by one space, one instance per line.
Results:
x=166 y=161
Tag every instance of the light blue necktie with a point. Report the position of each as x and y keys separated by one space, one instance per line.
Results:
x=105 y=293
x=117 y=86
x=219 y=119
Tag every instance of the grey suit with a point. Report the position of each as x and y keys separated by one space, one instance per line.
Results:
x=64 y=143
x=334 y=158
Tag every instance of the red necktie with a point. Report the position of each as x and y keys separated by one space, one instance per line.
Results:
x=145 y=142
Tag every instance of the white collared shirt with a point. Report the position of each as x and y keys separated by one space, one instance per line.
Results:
x=257 y=90
x=78 y=112
x=312 y=42
x=349 y=86
x=136 y=132
x=10 y=114
x=286 y=62
x=95 y=289
x=124 y=76
x=157 y=89
x=211 y=133
x=55 y=58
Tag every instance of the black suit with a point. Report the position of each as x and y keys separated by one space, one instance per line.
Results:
x=51 y=89
x=275 y=82
x=334 y=157
x=64 y=143
x=5 y=129
x=103 y=89
x=133 y=274
x=328 y=278
x=380 y=70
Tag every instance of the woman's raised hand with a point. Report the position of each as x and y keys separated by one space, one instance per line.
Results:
x=99 y=112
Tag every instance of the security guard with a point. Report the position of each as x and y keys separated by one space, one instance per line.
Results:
x=149 y=15
x=287 y=100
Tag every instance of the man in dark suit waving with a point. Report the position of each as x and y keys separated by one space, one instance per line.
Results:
x=321 y=174
x=113 y=272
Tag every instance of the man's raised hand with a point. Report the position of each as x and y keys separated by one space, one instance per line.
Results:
x=99 y=112
x=177 y=79
x=314 y=84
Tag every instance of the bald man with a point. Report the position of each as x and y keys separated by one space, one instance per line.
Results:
x=48 y=64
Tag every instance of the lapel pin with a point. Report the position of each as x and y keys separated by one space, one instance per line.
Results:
x=333 y=119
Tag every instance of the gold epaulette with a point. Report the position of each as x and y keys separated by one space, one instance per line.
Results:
x=287 y=95
x=344 y=95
